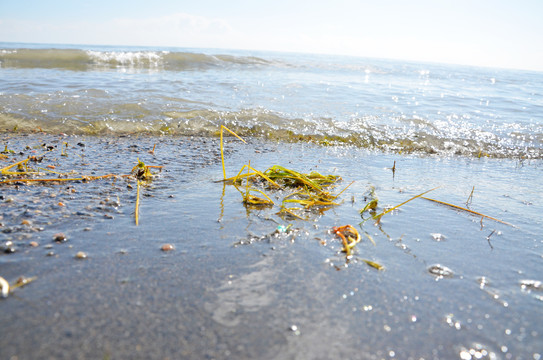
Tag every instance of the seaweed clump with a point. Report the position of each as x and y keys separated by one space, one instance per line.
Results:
x=304 y=192
x=300 y=195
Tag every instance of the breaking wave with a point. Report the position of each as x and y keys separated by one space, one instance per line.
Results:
x=362 y=132
x=87 y=60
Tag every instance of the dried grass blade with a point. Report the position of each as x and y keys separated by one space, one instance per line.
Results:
x=104 y=176
x=83 y=178
x=22 y=282
x=293 y=175
x=373 y=264
x=370 y=237
x=379 y=216
x=4 y=170
x=468 y=210
x=234 y=179
x=38 y=180
x=290 y=211
x=264 y=176
x=240 y=175
x=342 y=191
x=222 y=147
x=137 y=212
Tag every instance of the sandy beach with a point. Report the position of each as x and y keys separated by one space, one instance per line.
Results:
x=236 y=287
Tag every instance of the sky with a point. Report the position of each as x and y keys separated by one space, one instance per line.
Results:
x=490 y=33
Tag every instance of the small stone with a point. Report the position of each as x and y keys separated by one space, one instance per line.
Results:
x=167 y=247
x=60 y=237
x=527 y=285
x=26 y=222
x=295 y=330
x=50 y=253
x=34 y=244
x=9 y=250
x=483 y=281
x=438 y=237
x=80 y=255
x=440 y=271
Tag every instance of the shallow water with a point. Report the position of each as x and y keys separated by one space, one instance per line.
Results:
x=233 y=289
x=370 y=103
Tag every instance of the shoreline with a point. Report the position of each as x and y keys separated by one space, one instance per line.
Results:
x=232 y=289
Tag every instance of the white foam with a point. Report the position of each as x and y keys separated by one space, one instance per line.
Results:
x=127 y=58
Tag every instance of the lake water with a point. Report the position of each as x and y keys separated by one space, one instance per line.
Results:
x=236 y=287
x=378 y=104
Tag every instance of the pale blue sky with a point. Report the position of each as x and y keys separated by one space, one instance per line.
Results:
x=474 y=32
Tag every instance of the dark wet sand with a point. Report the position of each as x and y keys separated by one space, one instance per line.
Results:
x=231 y=290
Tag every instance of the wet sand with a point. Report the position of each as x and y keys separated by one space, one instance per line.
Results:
x=234 y=288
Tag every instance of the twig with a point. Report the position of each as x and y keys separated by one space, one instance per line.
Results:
x=488 y=239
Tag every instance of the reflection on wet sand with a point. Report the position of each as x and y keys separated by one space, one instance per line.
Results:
x=250 y=292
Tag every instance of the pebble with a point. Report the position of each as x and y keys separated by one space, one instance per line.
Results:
x=440 y=271
x=34 y=244
x=528 y=285
x=80 y=255
x=167 y=247
x=26 y=222
x=438 y=237
x=9 y=250
x=295 y=330
x=483 y=281
x=60 y=237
